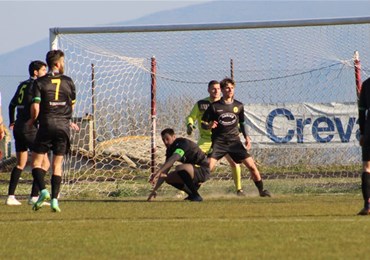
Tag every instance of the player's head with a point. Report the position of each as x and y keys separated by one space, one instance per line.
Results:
x=55 y=60
x=168 y=136
x=37 y=68
x=214 y=90
x=227 y=87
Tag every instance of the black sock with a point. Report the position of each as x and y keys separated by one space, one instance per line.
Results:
x=39 y=177
x=259 y=185
x=35 y=188
x=188 y=181
x=55 y=186
x=181 y=186
x=365 y=186
x=14 y=178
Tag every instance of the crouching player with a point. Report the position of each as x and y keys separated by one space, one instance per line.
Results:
x=187 y=176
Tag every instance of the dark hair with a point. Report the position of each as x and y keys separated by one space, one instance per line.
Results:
x=35 y=65
x=169 y=131
x=227 y=81
x=212 y=82
x=52 y=57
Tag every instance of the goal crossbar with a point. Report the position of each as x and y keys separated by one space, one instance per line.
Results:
x=53 y=32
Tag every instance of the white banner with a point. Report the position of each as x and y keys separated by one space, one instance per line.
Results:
x=305 y=123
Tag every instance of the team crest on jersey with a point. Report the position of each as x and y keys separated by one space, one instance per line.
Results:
x=235 y=110
x=203 y=106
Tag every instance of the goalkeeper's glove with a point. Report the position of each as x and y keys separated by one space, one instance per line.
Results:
x=189 y=129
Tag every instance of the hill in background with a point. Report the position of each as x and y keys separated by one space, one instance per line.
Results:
x=15 y=63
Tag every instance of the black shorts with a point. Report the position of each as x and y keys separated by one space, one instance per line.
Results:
x=234 y=148
x=366 y=147
x=201 y=174
x=55 y=138
x=24 y=137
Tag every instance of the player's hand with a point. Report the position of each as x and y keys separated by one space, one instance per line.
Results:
x=153 y=177
x=11 y=126
x=214 y=124
x=74 y=126
x=189 y=129
x=248 y=144
x=362 y=140
x=30 y=123
x=152 y=195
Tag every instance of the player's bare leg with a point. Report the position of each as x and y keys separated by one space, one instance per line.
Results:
x=256 y=176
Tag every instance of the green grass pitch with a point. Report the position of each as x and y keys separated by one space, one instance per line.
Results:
x=281 y=227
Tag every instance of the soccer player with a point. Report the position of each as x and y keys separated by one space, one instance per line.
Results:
x=364 y=123
x=187 y=176
x=24 y=135
x=54 y=96
x=225 y=117
x=204 y=140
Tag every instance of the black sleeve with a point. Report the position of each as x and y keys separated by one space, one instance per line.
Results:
x=362 y=105
x=207 y=117
x=242 y=122
x=12 y=106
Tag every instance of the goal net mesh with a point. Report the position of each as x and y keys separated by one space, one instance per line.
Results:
x=297 y=84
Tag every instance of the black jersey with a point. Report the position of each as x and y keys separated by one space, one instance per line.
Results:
x=364 y=106
x=56 y=95
x=189 y=152
x=21 y=100
x=228 y=117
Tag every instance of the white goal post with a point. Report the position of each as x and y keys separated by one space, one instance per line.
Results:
x=295 y=77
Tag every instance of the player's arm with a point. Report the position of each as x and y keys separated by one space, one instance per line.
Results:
x=2 y=128
x=362 y=107
x=191 y=118
x=11 y=110
x=243 y=129
x=207 y=121
x=159 y=177
x=73 y=125
x=35 y=106
x=18 y=95
x=165 y=168
x=35 y=110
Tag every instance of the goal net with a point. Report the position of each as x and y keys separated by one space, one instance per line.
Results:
x=296 y=79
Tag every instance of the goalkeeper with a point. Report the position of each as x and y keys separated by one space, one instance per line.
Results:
x=204 y=140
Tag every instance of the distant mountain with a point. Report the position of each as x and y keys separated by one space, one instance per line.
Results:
x=238 y=11
x=13 y=65
x=15 y=62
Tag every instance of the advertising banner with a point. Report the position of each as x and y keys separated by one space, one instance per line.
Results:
x=306 y=123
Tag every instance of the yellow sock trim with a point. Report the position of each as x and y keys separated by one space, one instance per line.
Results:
x=237 y=176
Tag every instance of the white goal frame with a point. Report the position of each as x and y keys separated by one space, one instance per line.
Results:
x=56 y=32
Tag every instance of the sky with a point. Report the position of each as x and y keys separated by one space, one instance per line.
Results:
x=25 y=22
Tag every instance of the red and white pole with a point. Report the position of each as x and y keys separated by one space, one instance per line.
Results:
x=357 y=65
x=153 y=112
